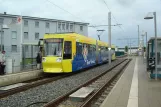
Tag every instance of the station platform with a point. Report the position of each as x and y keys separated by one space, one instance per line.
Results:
x=10 y=79
x=135 y=88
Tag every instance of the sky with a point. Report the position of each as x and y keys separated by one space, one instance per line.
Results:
x=129 y=13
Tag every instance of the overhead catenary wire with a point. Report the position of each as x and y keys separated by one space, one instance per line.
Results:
x=112 y=15
x=51 y=2
x=67 y=11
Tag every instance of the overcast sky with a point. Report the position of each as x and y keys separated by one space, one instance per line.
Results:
x=129 y=13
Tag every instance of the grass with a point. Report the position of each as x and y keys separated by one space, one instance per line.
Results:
x=27 y=61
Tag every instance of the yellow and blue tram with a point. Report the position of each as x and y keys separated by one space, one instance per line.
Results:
x=70 y=52
x=113 y=52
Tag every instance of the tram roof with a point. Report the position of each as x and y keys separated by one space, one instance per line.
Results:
x=78 y=37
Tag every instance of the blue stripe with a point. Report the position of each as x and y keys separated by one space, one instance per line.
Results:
x=79 y=62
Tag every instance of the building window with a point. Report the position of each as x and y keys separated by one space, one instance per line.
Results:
x=67 y=26
x=26 y=48
x=81 y=28
x=1 y=20
x=63 y=26
x=2 y=35
x=14 y=21
x=14 y=48
x=71 y=27
x=59 y=26
x=36 y=36
x=36 y=24
x=14 y=35
x=25 y=22
x=47 y=25
x=26 y=35
x=2 y=47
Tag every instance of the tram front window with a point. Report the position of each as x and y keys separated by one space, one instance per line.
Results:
x=53 y=47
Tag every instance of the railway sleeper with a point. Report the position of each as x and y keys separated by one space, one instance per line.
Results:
x=97 y=104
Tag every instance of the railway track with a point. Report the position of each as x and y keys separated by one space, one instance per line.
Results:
x=97 y=99
x=102 y=84
x=40 y=95
x=34 y=83
x=31 y=84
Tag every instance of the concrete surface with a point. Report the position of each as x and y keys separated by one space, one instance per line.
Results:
x=81 y=94
x=135 y=88
x=19 y=77
x=119 y=95
x=12 y=86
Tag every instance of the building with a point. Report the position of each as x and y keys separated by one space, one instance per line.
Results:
x=33 y=28
x=151 y=52
x=151 y=47
x=132 y=50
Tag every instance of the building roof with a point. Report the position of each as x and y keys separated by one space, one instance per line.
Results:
x=38 y=18
x=152 y=38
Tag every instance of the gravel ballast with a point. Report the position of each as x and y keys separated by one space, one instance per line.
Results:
x=50 y=91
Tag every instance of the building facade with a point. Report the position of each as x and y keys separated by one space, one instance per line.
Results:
x=32 y=29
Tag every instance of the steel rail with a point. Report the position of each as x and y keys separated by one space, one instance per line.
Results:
x=87 y=103
x=35 y=84
x=30 y=85
x=60 y=99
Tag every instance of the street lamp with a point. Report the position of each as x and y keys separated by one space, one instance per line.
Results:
x=109 y=60
x=143 y=44
x=3 y=27
x=145 y=34
x=131 y=43
x=99 y=33
x=155 y=30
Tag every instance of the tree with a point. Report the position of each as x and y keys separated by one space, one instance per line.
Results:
x=126 y=48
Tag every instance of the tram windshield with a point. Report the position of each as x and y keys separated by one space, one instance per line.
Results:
x=53 y=47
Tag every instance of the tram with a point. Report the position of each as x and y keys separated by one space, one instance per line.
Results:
x=70 y=52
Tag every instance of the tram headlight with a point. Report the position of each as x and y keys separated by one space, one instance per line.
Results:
x=58 y=60
x=43 y=60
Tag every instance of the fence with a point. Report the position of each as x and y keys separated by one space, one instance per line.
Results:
x=14 y=63
x=29 y=53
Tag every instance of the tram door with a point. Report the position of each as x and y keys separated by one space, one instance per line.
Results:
x=97 y=53
x=67 y=56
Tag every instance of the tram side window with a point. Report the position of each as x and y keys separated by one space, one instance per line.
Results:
x=67 y=50
x=106 y=48
x=85 y=49
x=102 y=49
x=90 y=50
x=94 y=48
x=113 y=50
x=99 y=49
x=79 y=48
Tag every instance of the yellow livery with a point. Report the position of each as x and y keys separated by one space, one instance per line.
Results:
x=70 y=52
